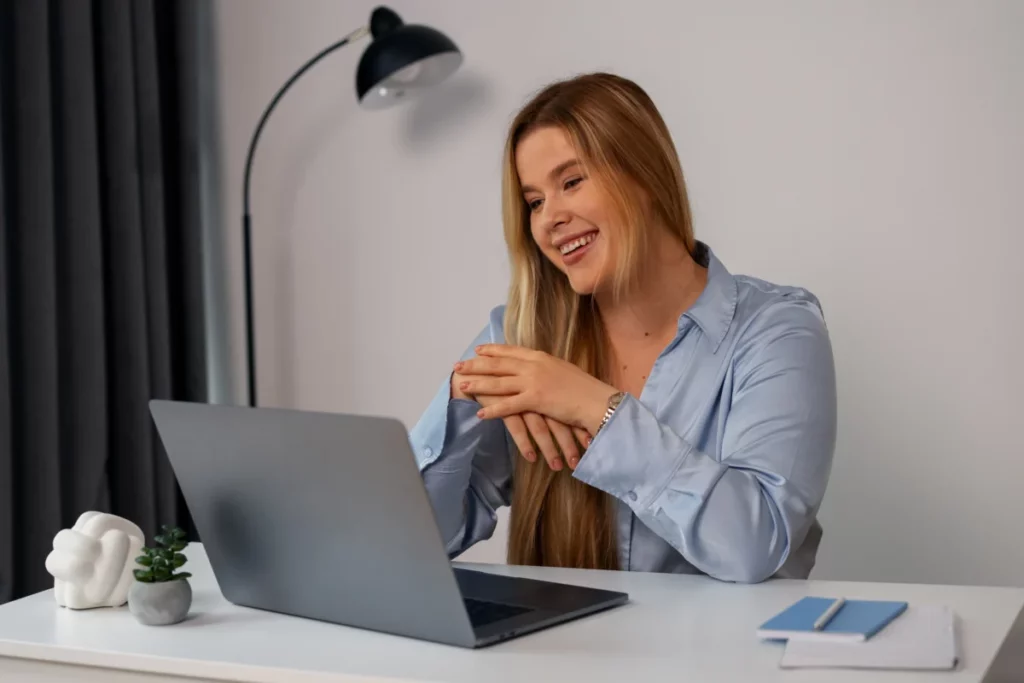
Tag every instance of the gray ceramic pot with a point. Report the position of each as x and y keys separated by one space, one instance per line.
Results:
x=160 y=604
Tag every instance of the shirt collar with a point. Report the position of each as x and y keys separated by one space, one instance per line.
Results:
x=715 y=307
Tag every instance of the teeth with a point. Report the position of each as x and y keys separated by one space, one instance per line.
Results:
x=570 y=247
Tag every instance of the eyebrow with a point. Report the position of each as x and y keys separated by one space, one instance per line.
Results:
x=555 y=172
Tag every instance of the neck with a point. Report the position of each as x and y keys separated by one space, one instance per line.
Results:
x=670 y=282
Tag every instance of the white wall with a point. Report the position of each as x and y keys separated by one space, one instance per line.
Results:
x=870 y=151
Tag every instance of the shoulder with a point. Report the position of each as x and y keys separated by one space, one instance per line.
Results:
x=757 y=298
x=492 y=332
x=496 y=324
x=768 y=313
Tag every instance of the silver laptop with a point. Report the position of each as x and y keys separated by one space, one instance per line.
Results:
x=325 y=516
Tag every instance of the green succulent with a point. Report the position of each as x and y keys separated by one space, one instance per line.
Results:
x=159 y=563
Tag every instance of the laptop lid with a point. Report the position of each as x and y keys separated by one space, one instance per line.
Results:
x=316 y=515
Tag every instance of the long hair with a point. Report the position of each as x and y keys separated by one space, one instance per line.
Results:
x=625 y=146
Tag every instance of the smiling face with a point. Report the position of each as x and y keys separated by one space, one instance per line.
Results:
x=572 y=219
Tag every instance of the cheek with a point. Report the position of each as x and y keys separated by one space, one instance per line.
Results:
x=543 y=243
x=536 y=233
x=591 y=205
x=538 y=237
x=597 y=209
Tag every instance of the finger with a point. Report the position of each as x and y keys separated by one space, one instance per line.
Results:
x=521 y=436
x=503 y=407
x=456 y=378
x=464 y=378
x=564 y=436
x=491 y=386
x=485 y=365
x=542 y=436
x=582 y=437
x=457 y=381
x=506 y=351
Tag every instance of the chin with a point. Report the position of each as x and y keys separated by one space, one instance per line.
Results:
x=585 y=284
x=582 y=290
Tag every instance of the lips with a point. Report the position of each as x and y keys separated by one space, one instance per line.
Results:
x=572 y=245
x=576 y=249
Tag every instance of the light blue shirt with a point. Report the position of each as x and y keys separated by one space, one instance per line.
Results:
x=719 y=466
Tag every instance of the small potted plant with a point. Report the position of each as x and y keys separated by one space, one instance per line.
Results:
x=159 y=596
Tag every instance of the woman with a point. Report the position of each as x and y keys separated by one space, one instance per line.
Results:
x=684 y=417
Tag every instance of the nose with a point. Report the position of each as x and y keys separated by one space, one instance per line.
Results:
x=555 y=214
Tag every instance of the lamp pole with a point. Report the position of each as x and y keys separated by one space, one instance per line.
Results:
x=250 y=343
x=401 y=57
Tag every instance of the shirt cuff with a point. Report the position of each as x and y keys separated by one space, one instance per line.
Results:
x=445 y=422
x=634 y=457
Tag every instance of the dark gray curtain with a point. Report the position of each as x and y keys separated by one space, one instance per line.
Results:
x=101 y=287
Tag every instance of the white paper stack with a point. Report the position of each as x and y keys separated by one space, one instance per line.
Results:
x=923 y=638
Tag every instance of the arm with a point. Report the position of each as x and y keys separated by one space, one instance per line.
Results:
x=465 y=461
x=739 y=517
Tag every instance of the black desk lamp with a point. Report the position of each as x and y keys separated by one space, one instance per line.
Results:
x=401 y=59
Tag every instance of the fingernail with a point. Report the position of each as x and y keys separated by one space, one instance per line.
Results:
x=531 y=456
x=573 y=462
x=458 y=366
x=556 y=464
x=463 y=385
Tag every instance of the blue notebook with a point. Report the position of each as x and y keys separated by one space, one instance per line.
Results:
x=856 y=620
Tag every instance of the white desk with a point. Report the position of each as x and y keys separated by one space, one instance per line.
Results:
x=676 y=628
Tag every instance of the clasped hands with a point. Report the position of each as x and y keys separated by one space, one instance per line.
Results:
x=546 y=403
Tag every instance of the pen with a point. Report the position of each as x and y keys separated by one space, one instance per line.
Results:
x=829 y=613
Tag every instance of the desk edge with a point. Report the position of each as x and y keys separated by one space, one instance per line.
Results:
x=174 y=666
x=1008 y=663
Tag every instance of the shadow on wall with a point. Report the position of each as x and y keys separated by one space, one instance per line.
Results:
x=440 y=112
x=284 y=228
x=427 y=121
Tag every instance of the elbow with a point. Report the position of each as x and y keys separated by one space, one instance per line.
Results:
x=752 y=559
x=762 y=556
x=748 y=568
x=742 y=563
x=753 y=570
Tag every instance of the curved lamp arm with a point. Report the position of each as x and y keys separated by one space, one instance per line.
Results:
x=247 y=218
x=352 y=37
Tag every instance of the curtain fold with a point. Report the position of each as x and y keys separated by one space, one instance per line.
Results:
x=101 y=277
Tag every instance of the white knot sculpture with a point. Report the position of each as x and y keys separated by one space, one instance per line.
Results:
x=92 y=562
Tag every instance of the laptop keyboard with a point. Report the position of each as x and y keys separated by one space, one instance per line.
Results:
x=482 y=612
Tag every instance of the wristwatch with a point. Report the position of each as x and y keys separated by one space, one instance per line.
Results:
x=613 y=402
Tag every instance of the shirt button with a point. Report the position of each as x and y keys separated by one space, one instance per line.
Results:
x=428 y=451
x=632 y=495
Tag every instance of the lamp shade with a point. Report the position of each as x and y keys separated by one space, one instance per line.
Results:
x=401 y=59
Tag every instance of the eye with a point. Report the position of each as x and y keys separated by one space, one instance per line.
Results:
x=534 y=204
x=573 y=182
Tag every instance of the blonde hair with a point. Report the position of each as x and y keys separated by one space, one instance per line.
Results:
x=625 y=147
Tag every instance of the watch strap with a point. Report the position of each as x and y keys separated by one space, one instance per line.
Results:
x=613 y=403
